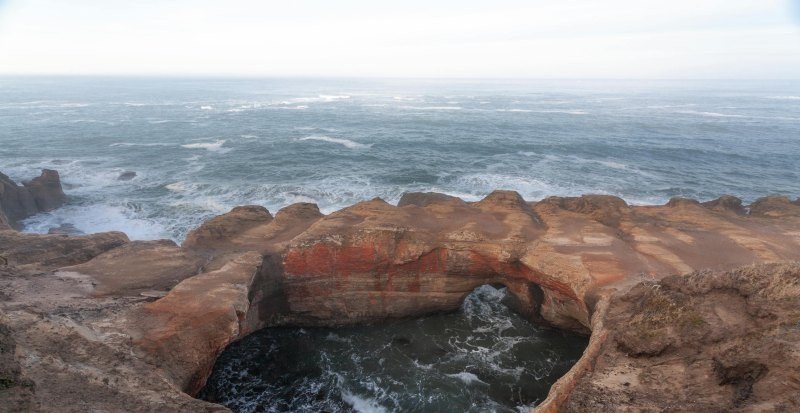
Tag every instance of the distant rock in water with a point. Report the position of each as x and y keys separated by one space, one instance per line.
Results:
x=41 y=194
x=127 y=176
x=46 y=190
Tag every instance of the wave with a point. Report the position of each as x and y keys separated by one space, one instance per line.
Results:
x=345 y=142
x=568 y=112
x=137 y=144
x=784 y=97
x=206 y=107
x=467 y=378
x=317 y=99
x=710 y=114
x=362 y=405
x=432 y=107
x=215 y=146
x=97 y=218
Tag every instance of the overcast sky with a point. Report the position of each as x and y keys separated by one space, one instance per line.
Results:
x=410 y=38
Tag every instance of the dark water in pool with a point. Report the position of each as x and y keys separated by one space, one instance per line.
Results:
x=483 y=358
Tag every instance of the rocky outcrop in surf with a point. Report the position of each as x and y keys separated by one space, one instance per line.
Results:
x=137 y=326
x=40 y=194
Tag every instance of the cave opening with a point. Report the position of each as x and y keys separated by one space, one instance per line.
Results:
x=485 y=356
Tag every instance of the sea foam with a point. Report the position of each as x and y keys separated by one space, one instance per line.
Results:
x=344 y=142
x=215 y=146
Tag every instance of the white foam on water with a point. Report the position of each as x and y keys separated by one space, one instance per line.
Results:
x=160 y=121
x=432 y=107
x=97 y=218
x=361 y=404
x=215 y=146
x=318 y=99
x=344 y=142
x=467 y=378
x=138 y=144
x=206 y=107
x=514 y=110
x=710 y=114
x=783 y=97
x=566 y=112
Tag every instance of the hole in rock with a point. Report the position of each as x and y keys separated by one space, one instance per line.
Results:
x=483 y=357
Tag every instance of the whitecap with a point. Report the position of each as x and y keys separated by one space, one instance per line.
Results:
x=345 y=142
x=206 y=107
x=432 y=107
x=567 y=112
x=467 y=377
x=318 y=98
x=97 y=218
x=514 y=110
x=158 y=122
x=215 y=146
x=361 y=404
x=710 y=114
x=784 y=97
x=137 y=144
x=180 y=186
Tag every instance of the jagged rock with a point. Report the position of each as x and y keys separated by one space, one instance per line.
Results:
x=46 y=190
x=16 y=202
x=126 y=176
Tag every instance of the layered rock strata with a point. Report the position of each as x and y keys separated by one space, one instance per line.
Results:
x=136 y=326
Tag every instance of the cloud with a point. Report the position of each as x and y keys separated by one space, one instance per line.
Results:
x=572 y=38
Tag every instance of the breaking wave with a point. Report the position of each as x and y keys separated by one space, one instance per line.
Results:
x=344 y=142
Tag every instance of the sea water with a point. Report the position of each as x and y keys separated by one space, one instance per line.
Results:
x=482 y=358
x=202 y=146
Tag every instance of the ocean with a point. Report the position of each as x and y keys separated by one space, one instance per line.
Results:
x=482 y=358
x=202 y=146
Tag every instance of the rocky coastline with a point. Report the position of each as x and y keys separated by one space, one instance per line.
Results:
x=689 y=306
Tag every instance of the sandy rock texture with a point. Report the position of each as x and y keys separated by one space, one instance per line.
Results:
x=100 y=323
x=709 y=341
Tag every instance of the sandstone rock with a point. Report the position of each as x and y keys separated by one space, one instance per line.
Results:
x=139 y=266
x=65 y=229
x=52 y=251
x=422 y=199
x=220 y=229
x=106 y=335
x=774 y=206
x=184 y=332
x=707 y=341
x=46 y=190
x=726 y=203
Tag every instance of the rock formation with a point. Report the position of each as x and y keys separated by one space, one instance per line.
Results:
x=41 y=194
x=99 y=323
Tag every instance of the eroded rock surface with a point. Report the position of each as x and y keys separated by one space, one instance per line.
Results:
x=138 y=325
x=706 y=341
